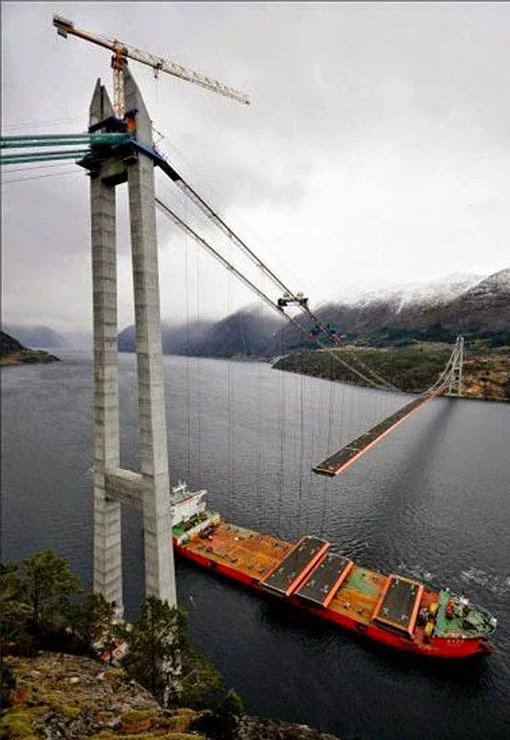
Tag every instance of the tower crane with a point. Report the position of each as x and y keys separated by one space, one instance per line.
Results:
x=122 y=52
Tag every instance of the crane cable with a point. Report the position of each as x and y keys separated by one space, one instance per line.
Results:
x=229 y=266
x=230 y=393
x=198 y=367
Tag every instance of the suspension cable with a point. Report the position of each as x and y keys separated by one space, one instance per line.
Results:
x=281 y=425
x=188 y=394
x=229 y=266
x=220 y=223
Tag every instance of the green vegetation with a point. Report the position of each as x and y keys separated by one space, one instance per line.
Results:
x=162 y=658
x=232 y=705
x=41 y=610
x=93 y=621
x=411 y=368
x=394 y=337
x=46 y=585
x=8 y=685
x=35 y=597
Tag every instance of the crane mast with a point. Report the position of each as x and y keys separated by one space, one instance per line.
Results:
x=122 y=52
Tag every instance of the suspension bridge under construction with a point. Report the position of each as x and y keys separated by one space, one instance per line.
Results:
x=117 y=148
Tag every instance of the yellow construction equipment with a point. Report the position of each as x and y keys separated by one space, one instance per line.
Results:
x=122 y=52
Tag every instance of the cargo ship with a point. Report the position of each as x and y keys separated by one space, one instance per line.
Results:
x=311 y=575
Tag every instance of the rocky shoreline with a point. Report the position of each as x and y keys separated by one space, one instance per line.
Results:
x=13 y=352
x=72 y=697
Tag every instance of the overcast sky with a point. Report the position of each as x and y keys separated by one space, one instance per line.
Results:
x=376 y=149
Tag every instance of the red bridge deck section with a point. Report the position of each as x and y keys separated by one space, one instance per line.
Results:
x=340 y=460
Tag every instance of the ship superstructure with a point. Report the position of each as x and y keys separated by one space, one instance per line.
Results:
x=189 y=514
x=392 y=609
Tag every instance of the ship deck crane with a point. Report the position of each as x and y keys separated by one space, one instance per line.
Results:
x=122 y=52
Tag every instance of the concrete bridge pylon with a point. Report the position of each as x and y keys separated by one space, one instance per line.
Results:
x=149 y=489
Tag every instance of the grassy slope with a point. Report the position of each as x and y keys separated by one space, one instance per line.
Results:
x=412 y=369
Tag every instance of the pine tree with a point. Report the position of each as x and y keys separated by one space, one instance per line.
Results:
x=162 y=659
x=47 y=584
x=13 y=611
x=93 y=621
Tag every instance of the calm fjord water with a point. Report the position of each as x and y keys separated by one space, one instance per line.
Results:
x=432 y=500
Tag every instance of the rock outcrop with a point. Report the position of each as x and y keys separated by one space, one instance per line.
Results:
x=72 y=697
x=13 y=352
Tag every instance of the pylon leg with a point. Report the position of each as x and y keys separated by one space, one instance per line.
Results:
x=107 y=522
x=159 y=556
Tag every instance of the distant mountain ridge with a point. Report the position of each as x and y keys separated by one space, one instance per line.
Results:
x=246 y=332
x=435 y=292
x=475 y=308
x=457 y=304
x=36 y=336
x=478 y=307
x=175 y=337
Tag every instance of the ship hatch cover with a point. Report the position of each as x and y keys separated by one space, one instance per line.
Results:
x=398 y=605
x=324 y=581
x=290 y=572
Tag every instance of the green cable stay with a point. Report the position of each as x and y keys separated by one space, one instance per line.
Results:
x=54 y=140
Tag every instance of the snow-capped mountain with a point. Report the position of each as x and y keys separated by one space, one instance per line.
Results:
x=468 y=304
x=484 y=307
x=472 y=305
x=432 y=292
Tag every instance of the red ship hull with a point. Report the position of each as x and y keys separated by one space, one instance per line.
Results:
x=438 y=647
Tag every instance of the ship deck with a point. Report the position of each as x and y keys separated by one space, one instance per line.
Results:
x=294 y=567
x=310 y=575
x=320 y=588
x=256 y=555
x=250 y=553
x=399 y=604
x=358 y=595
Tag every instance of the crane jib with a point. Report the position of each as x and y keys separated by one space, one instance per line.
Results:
x=122 y=52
